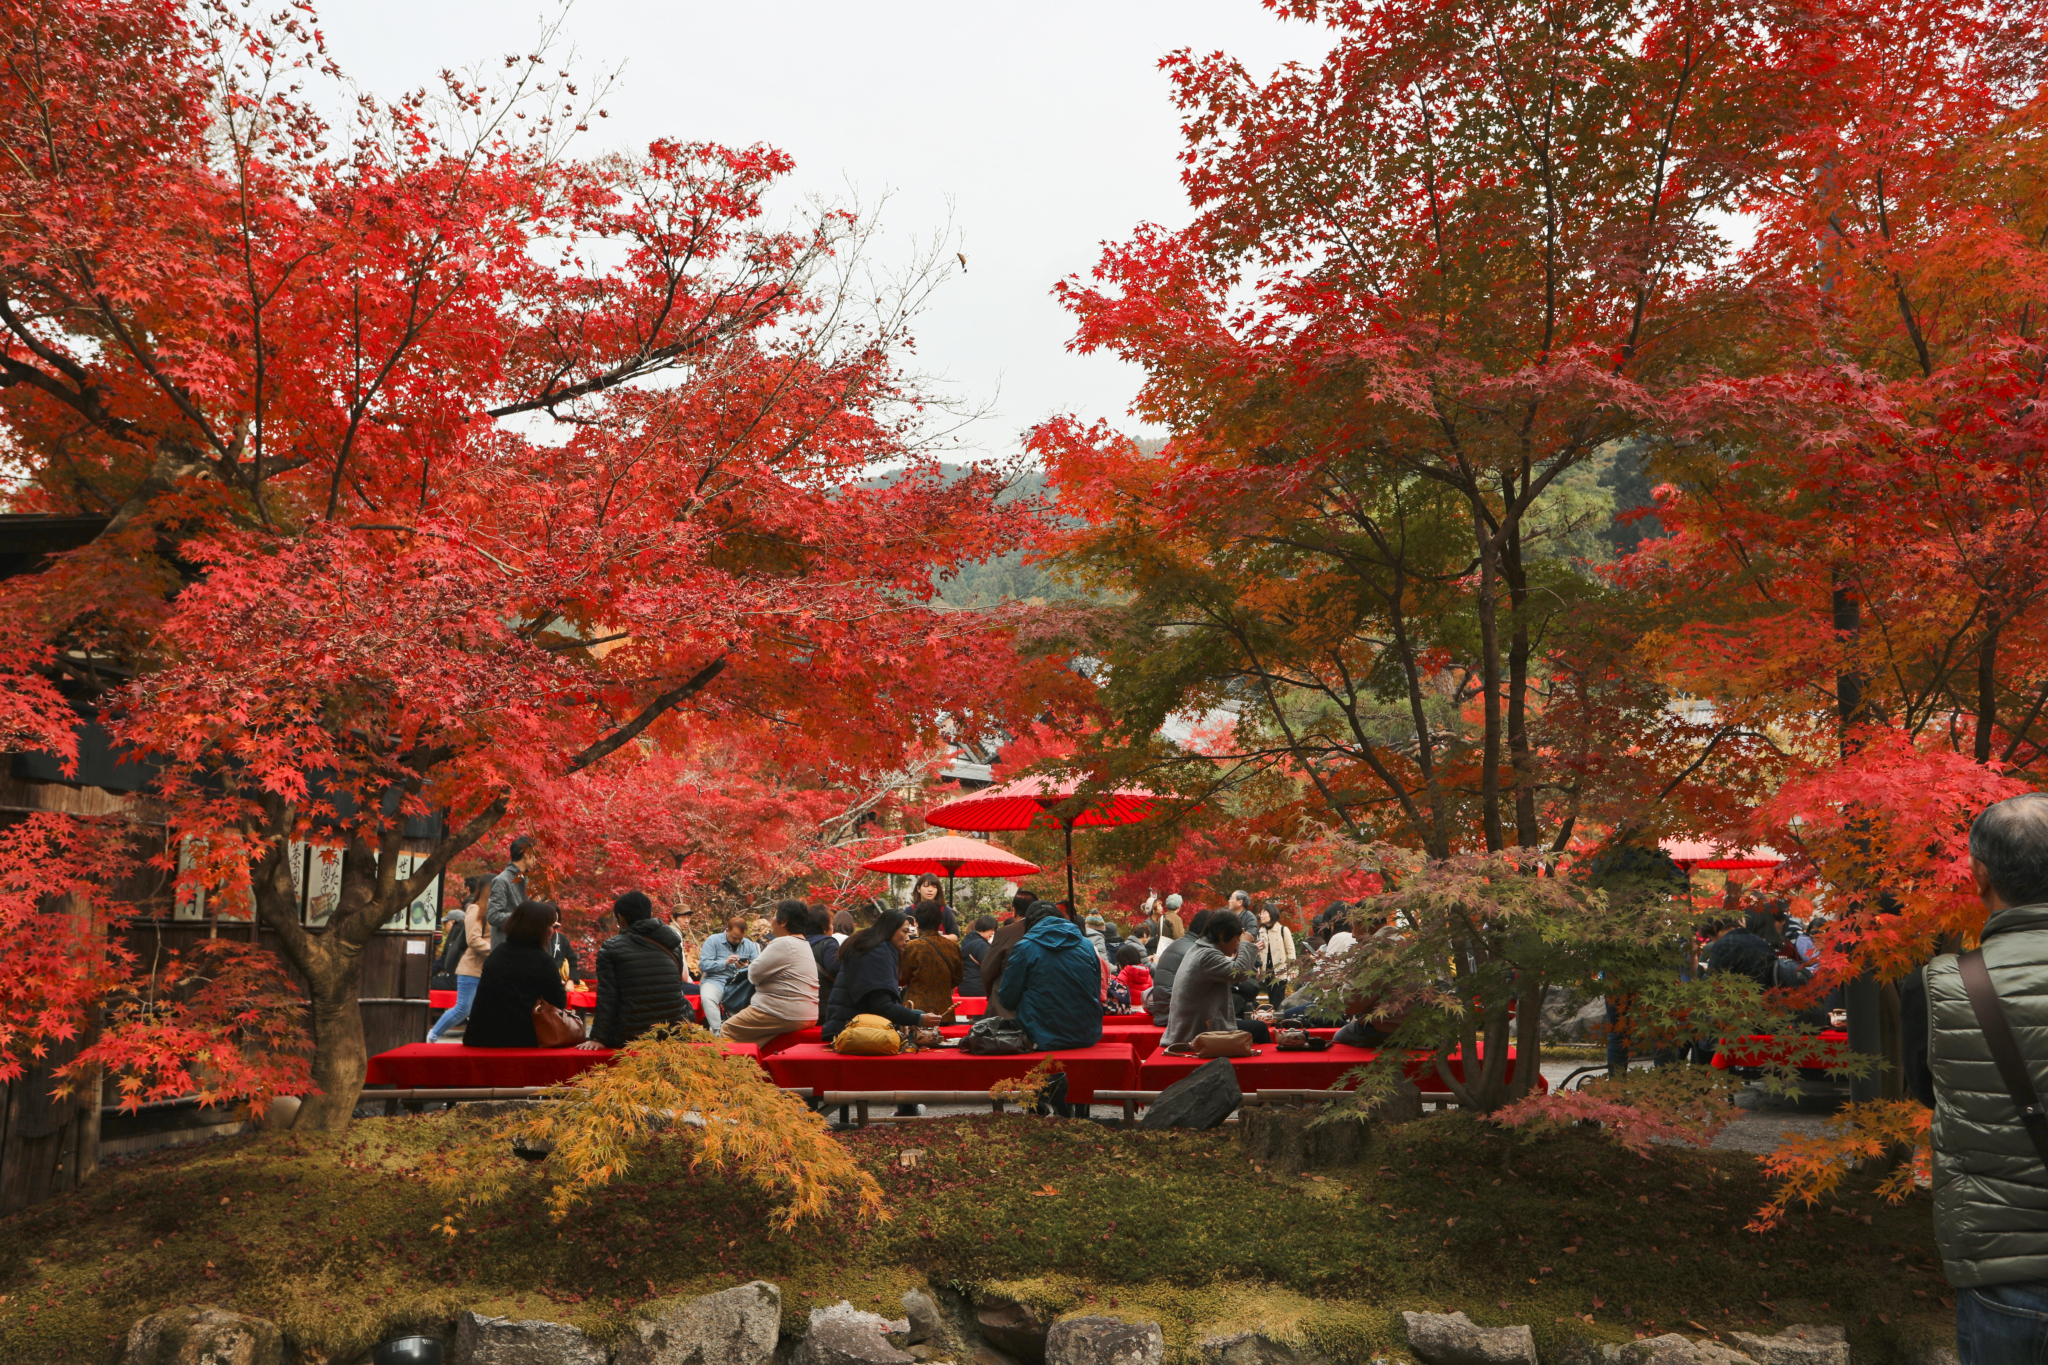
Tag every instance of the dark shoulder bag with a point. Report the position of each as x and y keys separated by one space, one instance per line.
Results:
x=2005 y=1048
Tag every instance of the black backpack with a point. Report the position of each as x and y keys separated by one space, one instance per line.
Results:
x=994 y=1036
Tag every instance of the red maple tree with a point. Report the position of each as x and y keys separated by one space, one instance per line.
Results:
x=447 y=475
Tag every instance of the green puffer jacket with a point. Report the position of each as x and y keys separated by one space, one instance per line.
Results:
x=1990 y=1188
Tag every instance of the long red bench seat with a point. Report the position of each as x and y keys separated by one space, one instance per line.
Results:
x=453 y=1066
x=815 y=1067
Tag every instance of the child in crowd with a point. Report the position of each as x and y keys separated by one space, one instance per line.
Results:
x=1132 y=971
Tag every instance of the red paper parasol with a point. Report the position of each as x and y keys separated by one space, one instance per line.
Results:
x=1710 y=857
x=1027 y=804
x=953 y=856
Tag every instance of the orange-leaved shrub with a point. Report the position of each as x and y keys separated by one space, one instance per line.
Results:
x=675 y=1086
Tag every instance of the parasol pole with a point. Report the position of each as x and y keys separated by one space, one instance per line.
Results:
x=1068 y=826
x=951 y=865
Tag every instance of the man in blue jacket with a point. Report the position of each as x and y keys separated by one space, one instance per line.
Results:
x=1053 y=980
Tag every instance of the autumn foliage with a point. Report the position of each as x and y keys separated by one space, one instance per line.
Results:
x=449 y=476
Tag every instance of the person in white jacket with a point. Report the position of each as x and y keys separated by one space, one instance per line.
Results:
x=1276 y=956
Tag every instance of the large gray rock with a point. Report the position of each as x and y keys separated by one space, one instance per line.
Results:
x=1013 y=1328
x=501 y=1341
x=1454 y=1339
x=733 y=1327
x=845 y=1335
x=203 y=1336
x=1203 y=1099
x=1249 y=1348
x=1581 y=1023
x=1673 y=1349
x=936 y=1328
x=1803 y=1343
x=1104 y=1341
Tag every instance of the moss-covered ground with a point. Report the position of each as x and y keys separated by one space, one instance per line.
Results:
x=334 y=1240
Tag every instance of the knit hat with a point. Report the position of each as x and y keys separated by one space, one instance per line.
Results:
x=1095 y=921
x=633 y=907
x=1173 y=901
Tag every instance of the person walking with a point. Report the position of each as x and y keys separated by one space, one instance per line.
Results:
x=1990 y=1152
x=508 y=890
x=639 y=976
x=469 y=969
x=1276 y=955
x=722 y=958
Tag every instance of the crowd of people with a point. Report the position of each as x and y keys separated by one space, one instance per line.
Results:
x=1051 y=970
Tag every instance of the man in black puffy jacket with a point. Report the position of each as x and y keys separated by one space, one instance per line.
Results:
x=639 y=976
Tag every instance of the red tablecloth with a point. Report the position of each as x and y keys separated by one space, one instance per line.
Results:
x=455 y=1067
x=783 y=1042
x=1273 y=1069
x=816 y=1067
x=1764 y=1055
x=578 y=1000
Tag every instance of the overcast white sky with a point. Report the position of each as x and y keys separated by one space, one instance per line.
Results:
x=1047 y=126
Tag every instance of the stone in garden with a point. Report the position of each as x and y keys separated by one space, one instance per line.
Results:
x=1013 y=1328
x=203 y=1336
x=1673 y=1349
x=1203 y=1099
x=931 y=1327
x=845 y=1335
x=1291 y=1138
x=1249 y=1348
x=1803 y=1343
x=733 y=1327
x=1402 y=1104
x=501 y=1341
x=1104 y=1341
x=1559 y=1005
x=1454 y=1339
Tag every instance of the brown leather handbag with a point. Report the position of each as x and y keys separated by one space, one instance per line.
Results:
x=1224 y=1043
x=556 y=1027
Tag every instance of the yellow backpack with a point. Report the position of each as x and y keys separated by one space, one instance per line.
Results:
x=868 y=1035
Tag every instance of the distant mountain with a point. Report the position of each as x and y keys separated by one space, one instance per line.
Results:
x=1006 y=577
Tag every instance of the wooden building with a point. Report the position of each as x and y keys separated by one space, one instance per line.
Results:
x=48 y=1145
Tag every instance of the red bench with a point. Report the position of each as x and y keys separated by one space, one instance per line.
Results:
x=452 y=1066
x=816 y=1068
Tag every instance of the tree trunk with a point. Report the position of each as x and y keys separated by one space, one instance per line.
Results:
x=1521 y=757
x=49 y=1145
x=340 y=1056
x=1489 y=675
x=1987 y=690
x=1528 y=1038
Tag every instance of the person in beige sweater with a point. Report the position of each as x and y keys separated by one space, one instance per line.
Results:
x=785 y=978
x=476 y=936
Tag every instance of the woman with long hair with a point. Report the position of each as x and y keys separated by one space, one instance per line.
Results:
x=516 y=974
x=930 y=890
x=476 y=946
x=870 y=967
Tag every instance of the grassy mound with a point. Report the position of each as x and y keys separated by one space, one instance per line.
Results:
x=333 y=1240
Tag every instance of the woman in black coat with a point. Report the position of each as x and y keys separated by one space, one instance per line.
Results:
x=867 y=981
x=518 y=972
